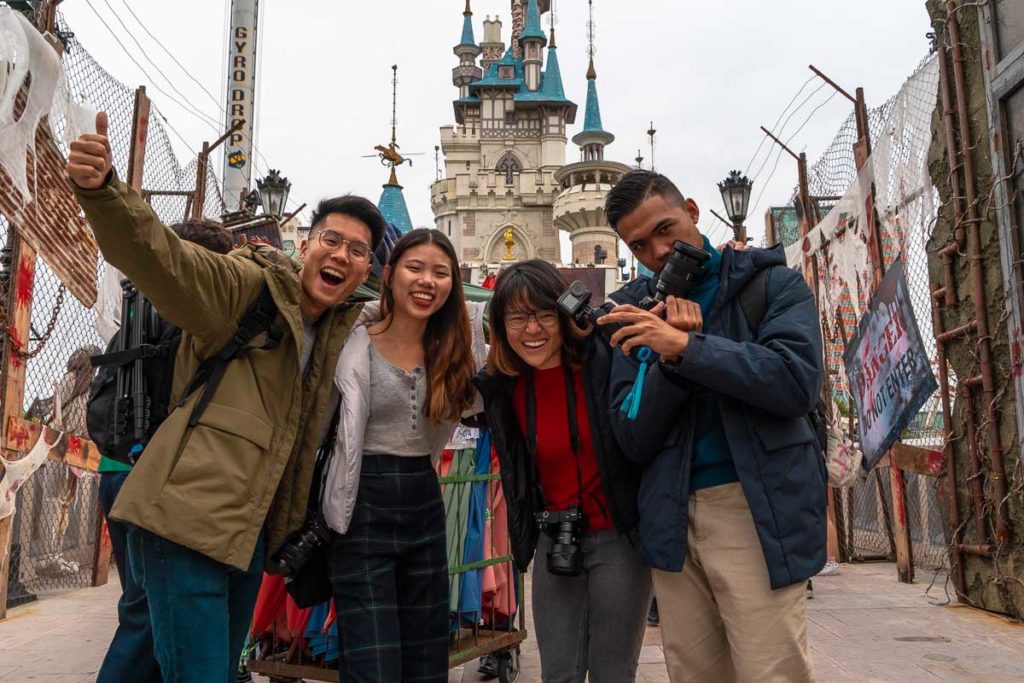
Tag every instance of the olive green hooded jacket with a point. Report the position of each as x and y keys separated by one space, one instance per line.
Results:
x=249 y=461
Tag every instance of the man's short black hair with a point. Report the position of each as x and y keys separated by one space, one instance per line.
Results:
x=206 y=233
x=633 y=189
x=354 y=206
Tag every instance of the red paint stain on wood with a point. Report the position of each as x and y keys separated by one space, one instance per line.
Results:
x=901 y=509
x=19 y=437
x=23 y=284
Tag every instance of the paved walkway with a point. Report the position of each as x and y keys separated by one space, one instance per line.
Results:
x=864 y=626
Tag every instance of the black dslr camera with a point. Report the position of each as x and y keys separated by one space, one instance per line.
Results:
x=682 y=268
x=564 y=526
x=300 y=546
x=575 y=302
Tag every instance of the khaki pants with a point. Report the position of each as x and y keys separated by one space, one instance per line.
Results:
x=720 y=620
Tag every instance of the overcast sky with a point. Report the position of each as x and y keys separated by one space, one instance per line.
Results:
x=708 y=74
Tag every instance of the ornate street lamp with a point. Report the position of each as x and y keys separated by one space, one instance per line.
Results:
x=274 y=193
x=735 y=191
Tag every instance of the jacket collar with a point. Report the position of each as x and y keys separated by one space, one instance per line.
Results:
x=370 y=314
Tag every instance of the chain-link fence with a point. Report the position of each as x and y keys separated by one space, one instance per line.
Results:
x=906 y=204
x=56 y=524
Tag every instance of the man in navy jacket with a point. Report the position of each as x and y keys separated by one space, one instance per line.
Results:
x=732 y=497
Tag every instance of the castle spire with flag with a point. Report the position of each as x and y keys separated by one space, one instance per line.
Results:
x=392 y=202
x=498 y=199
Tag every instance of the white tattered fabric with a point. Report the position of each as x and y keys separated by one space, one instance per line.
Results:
x=30 y=66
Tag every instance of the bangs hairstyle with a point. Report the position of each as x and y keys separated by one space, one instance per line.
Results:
x=447 y=341
x=533 y=285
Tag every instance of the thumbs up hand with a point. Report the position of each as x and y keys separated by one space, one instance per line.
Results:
x=89 y=161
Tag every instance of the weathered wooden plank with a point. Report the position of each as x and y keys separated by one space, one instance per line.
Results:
x=140 y=134
x=19 y=306
x=923 y=461
x=69 y=449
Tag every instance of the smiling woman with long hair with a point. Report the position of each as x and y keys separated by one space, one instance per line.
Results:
x=545 y=392
x=405 y=379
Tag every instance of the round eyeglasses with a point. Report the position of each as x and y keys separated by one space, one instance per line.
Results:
x=332 y=241
x=520 y=319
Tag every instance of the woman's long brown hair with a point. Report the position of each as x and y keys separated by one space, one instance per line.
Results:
x=447 y=341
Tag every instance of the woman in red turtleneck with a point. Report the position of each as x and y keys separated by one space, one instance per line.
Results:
x=545 y=393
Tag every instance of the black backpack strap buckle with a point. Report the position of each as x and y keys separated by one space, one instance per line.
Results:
x=118 y=358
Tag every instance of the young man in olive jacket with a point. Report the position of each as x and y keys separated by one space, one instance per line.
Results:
x=211 y=502
x=732 y=496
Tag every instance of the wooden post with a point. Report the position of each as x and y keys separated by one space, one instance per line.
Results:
x=19 y=307
x=199 y=198
x=769 y=229
x=862 y=157
x=140 y=133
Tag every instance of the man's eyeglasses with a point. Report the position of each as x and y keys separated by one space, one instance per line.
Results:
x=520 y=319
x=332 y=241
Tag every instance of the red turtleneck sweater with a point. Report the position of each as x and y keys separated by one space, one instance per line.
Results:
x=556 y=463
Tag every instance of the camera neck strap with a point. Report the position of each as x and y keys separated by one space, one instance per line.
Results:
x=573 y=423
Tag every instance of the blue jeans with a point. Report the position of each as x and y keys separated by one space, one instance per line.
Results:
x=200 y=609
x=130 y=655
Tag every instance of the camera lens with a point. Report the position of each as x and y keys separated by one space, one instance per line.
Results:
x=682 y=268
x=565 y=557
x=298 y=550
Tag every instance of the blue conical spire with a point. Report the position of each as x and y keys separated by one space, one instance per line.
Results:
x=532 y=29
x=592 y=120
x=593 y=132
x=392 y=205
x=552 y=88
x=467 y=27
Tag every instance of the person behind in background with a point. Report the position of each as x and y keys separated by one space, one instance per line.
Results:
x=130 y=655
x=213 y=497
x=70 y=396
x=405 y=380
x=732 y=499
x=545 y=392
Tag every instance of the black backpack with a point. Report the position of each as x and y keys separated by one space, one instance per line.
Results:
x=754 y=302
x=130 y=396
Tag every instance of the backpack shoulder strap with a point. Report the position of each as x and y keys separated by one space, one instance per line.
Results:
x=258 y=318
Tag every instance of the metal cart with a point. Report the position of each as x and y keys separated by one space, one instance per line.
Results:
x=496 y=627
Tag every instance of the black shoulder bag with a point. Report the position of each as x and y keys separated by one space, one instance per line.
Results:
x=310 y=583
